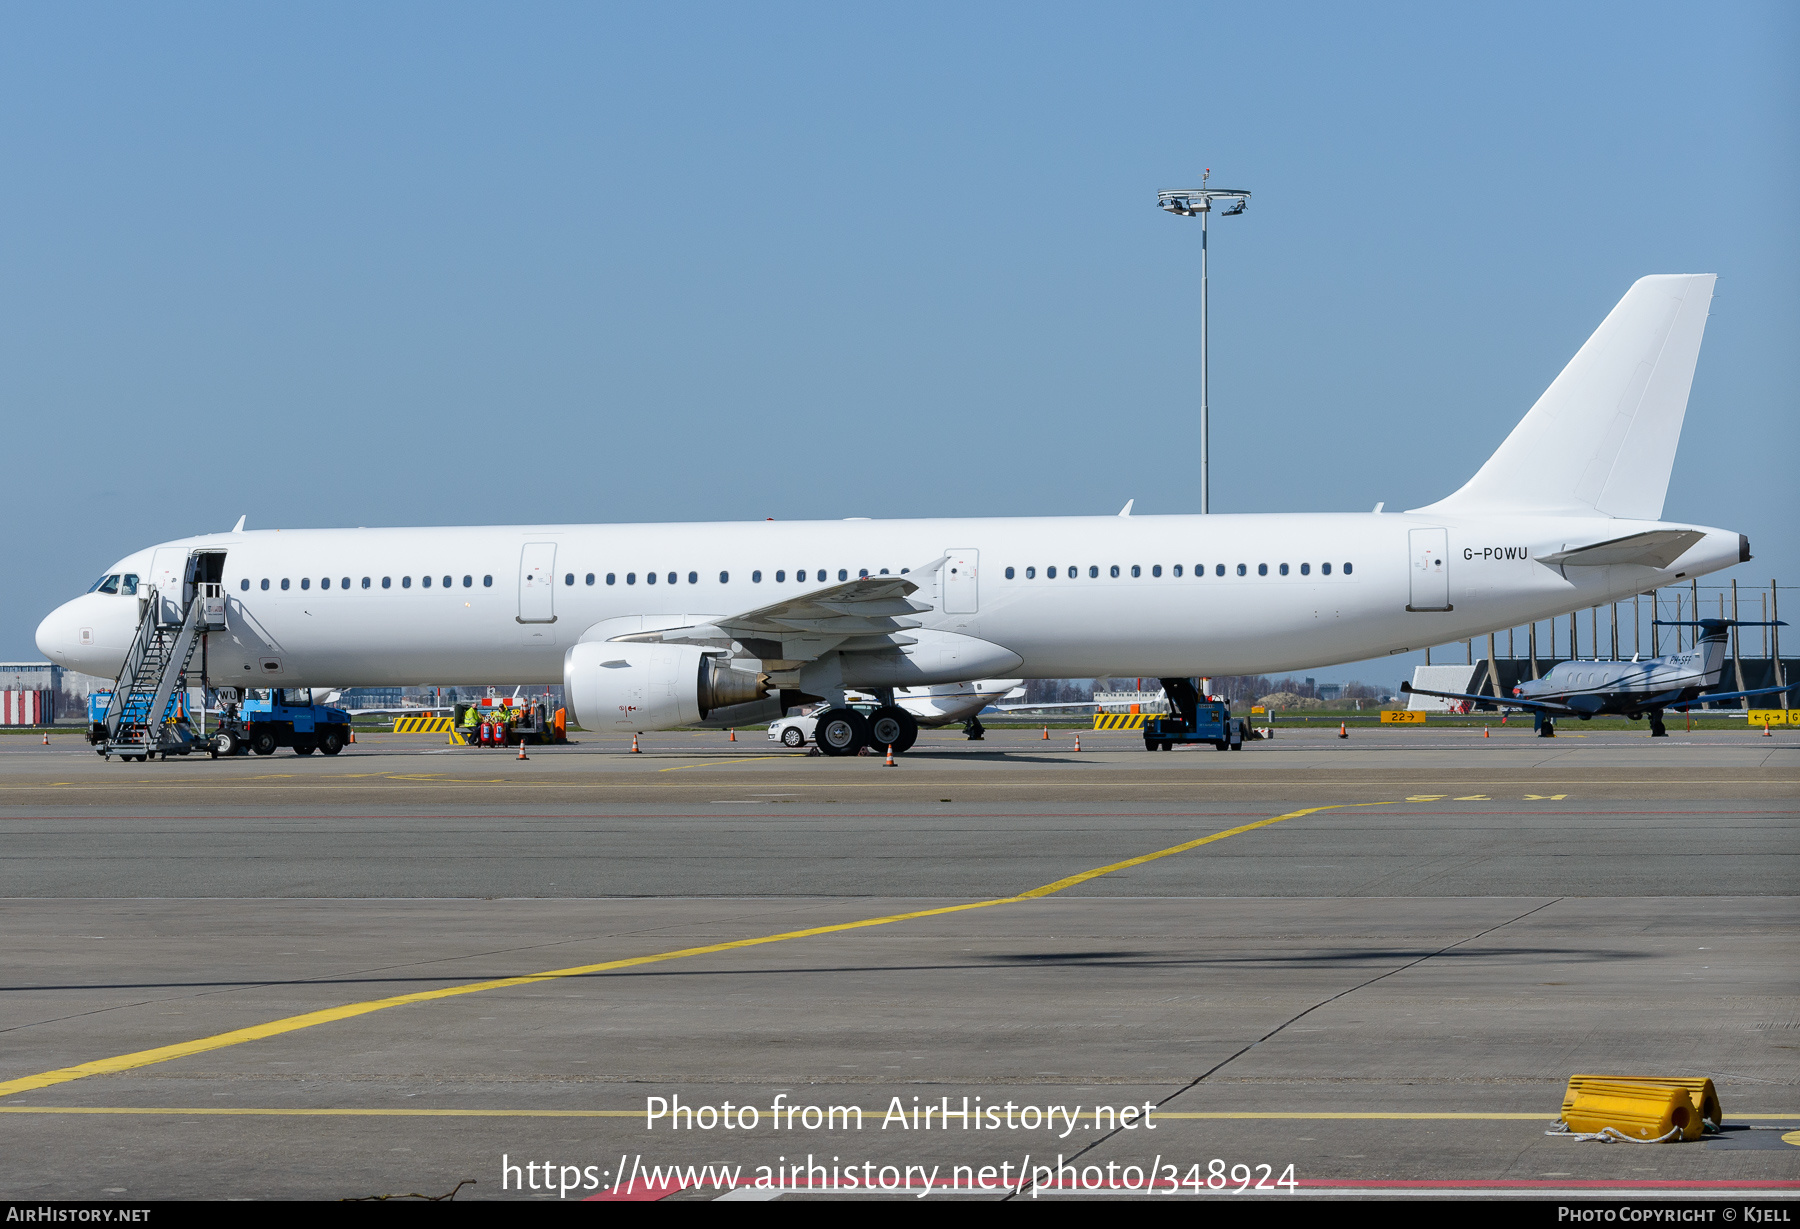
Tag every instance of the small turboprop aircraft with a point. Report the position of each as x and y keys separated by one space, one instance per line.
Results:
x=1634 y=689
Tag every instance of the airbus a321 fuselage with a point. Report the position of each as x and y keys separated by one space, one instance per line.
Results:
x=658 y=625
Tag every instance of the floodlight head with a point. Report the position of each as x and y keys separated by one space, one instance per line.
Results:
x=1242 y=204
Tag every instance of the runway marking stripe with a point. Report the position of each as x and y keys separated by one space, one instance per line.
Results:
x=718 y=763
x=329 y=1015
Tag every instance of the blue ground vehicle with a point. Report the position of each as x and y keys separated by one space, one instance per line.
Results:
x=282 y=719
x=1194 y=721
x=181 y=739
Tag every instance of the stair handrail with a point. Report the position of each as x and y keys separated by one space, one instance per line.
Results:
x=134 y=659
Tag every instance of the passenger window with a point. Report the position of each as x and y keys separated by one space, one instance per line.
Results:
x=1030 y=573
x=365 y=582
x=1009 y=573
x=864 y=574
x=884 y=571
x=1262 y=569
x=1115 y=571
x=1306 y=569
x=306 y=582
x=469 y=581
x=693 y=578
x=128 y=586
x=631 y=578
x=1348 y=569
x=671 y=578
x=387 y=582
x=590 y=579
x=405 y=582
x=1074 y=571
x=487 y=582
x=756 y=577
x=609 y=577
x=1177 y=569
x=1156 y=570
x=843 y=573
x=1049 y=573
x=447 y=582
x=724 y=578
x=265 y=584
x=424 y=582
x=1094 y=572
x=244 y=584
x=345 y=584
x=1137 y=571
x=568 y=578
x=649 y=578
x=1325 y=569
x=1242 y=570
x=780 y=576
x=1284 y=569
x=284 y=583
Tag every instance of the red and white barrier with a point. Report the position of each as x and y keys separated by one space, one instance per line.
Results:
x=25 y=708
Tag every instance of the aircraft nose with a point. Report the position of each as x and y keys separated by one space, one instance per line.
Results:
x=58 y=637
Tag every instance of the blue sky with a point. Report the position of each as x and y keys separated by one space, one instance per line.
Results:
x=349 y=265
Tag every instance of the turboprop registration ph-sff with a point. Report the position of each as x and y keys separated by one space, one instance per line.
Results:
x=656 y=626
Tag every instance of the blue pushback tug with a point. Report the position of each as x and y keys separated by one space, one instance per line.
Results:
x=282 y=719
x=1194 y=720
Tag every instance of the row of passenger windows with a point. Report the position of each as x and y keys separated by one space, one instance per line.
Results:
x=821 y=575
x=110 y=584
x=387 y=582
x=1156 y=569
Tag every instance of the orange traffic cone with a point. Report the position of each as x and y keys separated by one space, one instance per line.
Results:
x=1484 y=732
x=1078 y=742
x=634 y=746
x=1766 y=734
x=47 y=734
x=1046 y=733
x=889 y=763
x=522 y=754
x=353 y=736
x=733 y=737
x=1343 y=730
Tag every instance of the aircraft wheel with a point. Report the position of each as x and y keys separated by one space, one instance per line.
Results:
x=263 y=743
x=841 y=731
x=1221 y=744
x=1168 y=746
x=892 y=726
x=793 y=736
x=332 y=743
x=225 y=743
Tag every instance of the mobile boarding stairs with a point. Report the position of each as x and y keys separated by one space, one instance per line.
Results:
x=172 y=629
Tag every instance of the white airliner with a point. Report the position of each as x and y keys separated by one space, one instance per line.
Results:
x=656 y=626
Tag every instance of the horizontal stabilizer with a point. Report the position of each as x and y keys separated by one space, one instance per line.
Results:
x=1657 y=549
x=1601 y=440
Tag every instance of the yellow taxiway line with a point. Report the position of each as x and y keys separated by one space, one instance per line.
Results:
x=330 y=1015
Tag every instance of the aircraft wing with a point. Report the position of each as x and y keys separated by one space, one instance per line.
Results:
x=1013 y=708
x=1503 y=702
x=1714 y=698
x=808 y=625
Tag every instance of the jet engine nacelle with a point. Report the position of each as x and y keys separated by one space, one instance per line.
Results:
x=630 y=687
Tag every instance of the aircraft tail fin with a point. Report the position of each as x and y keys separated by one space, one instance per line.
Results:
x=1601 y=440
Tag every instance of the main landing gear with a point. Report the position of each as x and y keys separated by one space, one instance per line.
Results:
x=1656 y=724
x=973 y=730
x=844 y=731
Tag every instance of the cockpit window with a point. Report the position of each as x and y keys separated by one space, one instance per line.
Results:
x=106 y=584
x=128 y=586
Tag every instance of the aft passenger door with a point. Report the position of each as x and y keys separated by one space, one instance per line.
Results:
x=537 y=592
x=961 y=579
x=1430 y=569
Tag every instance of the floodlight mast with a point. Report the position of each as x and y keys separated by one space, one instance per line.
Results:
x=1188 y=203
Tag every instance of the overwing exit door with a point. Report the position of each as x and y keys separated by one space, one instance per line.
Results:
x=537 y=592
x=961 y=579
x=1430 y=569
